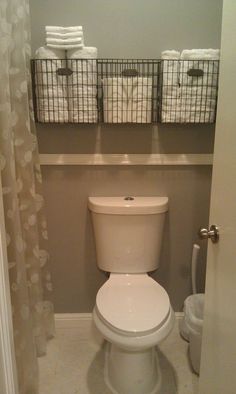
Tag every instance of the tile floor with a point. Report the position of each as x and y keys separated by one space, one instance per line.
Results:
x=75 y=359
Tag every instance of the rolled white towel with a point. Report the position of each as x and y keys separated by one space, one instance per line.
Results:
x=170 y=105
x=170 y=54
x=198 y=104
x=198 y=94
x=83 y=109
x=200 y=54
x=46 y=53
x=210 y=69
x=84 y=71
x=170 y=67
x=205 y=60
x=63 y=29
x=83 y=53
x=51 y=89
x=52 y=109
x=49 y=61
x=82 y=85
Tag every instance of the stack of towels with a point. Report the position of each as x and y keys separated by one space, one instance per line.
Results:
x=72 y=97
x=64 y=37
x=127 y=99
x=170 y=111
x=187 y=98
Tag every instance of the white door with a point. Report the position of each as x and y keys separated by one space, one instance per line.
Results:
x=218 y=363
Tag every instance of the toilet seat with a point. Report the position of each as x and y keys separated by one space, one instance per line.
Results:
x=132 y=304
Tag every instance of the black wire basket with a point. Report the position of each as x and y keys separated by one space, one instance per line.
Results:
x=115 y=91
x=188 y=91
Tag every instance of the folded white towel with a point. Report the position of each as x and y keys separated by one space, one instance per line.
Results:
x=75 y=34
x=201 y=54
x=65 y=46
x=46 y=53
x=170 y=54
x=127 y=88
x=115 y=111
x=141 y=88
x=127 y=99
x=117 y=89
x=139 y=111
x=51 y=89
x=83 y=53
x=118 y=111
x=63 y=29
x=64 y=41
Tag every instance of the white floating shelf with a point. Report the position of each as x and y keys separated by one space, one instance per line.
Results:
x=126 y=159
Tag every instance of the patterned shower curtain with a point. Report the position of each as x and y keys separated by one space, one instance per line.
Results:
x=26 y=227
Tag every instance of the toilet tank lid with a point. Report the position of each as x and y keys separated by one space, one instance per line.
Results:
x=128 y=205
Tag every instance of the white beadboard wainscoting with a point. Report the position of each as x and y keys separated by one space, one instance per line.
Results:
x=126 y=159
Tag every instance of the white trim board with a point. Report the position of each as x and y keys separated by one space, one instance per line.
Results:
x=152 y=159
x=73 y=320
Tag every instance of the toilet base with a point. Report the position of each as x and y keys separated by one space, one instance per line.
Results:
x=132 y=372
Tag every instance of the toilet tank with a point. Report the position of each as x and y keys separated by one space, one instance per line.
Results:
x=128 y=232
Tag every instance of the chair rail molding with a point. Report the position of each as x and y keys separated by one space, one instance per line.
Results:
x=114 y=159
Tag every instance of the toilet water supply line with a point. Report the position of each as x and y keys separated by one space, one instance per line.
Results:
x=195 y=254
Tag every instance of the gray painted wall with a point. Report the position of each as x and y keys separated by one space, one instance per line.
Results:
x=76 y=277
x=133 y=28
x=129 y=29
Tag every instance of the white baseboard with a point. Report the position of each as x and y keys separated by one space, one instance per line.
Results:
x=73 y=320
x=179 y=315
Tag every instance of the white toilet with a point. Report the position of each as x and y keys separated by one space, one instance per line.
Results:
x=132 y=311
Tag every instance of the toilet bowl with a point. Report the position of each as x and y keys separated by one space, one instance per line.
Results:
x=132 y=311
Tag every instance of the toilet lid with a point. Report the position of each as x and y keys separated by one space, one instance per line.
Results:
x=133 y=303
